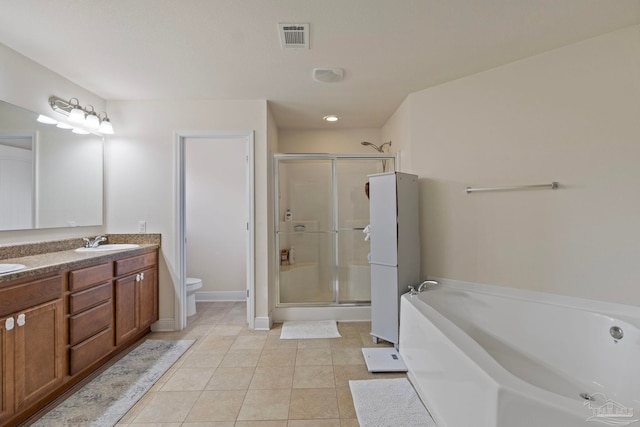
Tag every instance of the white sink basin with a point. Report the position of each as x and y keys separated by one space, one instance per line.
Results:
x=110 y=247
x=8 y=268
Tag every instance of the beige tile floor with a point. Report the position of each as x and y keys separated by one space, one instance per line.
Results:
x=236 y=377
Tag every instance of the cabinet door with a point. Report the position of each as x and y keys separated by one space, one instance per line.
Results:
x=384 y=302
x=6 y=377
x=148 y=296
x=383 y=217
x=39 y=350
x=127 y=322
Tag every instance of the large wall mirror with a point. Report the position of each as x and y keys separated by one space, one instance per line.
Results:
x=49 y=177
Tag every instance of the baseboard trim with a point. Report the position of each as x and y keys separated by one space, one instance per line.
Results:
x=213 y=296
x=262 y=323
x=342 y=314
x=164 y=325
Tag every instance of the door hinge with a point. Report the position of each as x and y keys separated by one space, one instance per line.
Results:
x=247 y=293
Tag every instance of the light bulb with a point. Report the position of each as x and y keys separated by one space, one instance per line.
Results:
x=106 y=127
x=46 y=120
x=92 y=121
x=76 y=115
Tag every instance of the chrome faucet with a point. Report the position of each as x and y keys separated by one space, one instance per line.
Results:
x=93 y=243
x=422 y=287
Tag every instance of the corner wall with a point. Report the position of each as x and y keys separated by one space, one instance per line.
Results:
x=568 y=115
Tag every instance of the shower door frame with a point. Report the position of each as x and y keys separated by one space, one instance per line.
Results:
x=334 y=231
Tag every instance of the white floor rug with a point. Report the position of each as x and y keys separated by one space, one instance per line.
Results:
x=309 y=329
x=388 y=403
x=104 y=400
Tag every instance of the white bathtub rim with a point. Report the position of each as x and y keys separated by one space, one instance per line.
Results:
x=501 y=377
x=618 y=314
x=624 y=312
x=491 y=369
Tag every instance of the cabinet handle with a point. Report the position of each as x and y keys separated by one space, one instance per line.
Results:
x=141 y=276
x=21 y=319
x=9 y=323
x=137 y=277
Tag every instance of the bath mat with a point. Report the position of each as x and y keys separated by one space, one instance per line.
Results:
x=389 y=402
x=104 y=400
x=309 y=329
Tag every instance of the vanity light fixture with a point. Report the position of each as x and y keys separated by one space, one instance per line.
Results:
x=331 y=118
x=85 y=116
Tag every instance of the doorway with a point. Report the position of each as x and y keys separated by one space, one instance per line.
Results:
x=209 y=205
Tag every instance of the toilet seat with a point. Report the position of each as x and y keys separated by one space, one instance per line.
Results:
x=193 y=283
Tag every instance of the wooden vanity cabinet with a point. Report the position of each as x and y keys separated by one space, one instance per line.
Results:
x=91 y=329
x=58 y=328
x=136 y=295
x=31 y=343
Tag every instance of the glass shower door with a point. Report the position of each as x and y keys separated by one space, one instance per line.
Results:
x=305 y=233
x=322 y=211
x=354 y=272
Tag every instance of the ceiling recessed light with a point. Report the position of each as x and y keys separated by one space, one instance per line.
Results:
x=331 y=118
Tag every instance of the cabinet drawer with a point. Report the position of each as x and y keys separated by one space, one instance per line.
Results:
x=89 y=351
x=85 y=277
x=88 y=298
x=90 y=322
x=30 y=294
x=135 y=263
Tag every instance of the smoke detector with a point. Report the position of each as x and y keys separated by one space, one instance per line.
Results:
x=294 y=36
x=328 y=75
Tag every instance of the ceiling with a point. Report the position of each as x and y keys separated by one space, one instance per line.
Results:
x=230 y=49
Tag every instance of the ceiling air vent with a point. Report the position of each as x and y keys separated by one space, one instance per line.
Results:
x=294 y=36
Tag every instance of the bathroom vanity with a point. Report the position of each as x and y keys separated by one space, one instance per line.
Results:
x=65 y=315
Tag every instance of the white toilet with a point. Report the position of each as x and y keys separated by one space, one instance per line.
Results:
x=193 y=284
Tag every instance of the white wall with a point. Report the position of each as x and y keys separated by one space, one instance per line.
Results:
x=140 y=166
x=29 y=85
x=569 y=115
x=215 y=175
x=327 y=140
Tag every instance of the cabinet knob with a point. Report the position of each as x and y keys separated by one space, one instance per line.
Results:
x=21 y=319
x=141 y=276
x=9 y=323
x=137 y=277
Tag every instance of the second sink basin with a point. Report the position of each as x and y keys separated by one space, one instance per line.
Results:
x=8 y=268
x=109 y=247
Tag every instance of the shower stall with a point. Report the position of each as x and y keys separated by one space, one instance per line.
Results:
x=322 y=210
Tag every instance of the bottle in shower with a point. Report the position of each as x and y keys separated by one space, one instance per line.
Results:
x=292 y=255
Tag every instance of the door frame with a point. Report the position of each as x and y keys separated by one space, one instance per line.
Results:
x=180 y=308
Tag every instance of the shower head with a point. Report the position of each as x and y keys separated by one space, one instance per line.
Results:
x=379 y=149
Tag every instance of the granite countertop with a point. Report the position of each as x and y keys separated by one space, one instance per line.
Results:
x=46 y=257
